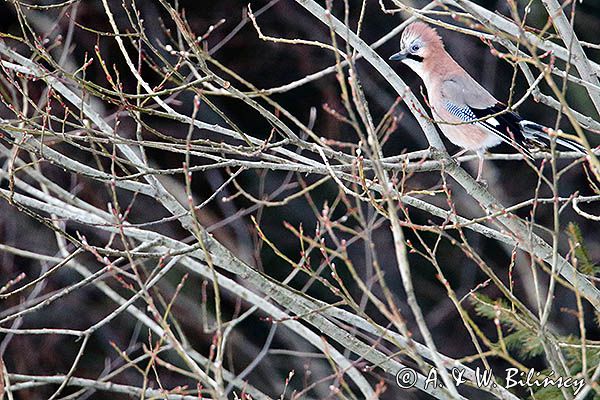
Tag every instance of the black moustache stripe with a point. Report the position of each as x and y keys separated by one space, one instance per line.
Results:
x=415 y=57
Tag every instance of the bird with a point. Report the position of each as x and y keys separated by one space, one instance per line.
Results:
x=467 y=114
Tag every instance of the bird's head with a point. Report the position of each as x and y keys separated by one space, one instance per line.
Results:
x=418 y=44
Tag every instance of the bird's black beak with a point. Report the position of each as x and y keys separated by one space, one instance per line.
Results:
x=399 y=56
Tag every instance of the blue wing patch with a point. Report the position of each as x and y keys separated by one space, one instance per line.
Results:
x=506 y=125
x=464 y=113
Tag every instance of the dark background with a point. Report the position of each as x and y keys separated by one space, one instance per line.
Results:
x=267 y=65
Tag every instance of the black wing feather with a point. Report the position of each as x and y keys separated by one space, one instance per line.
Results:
x=509 y=122
x=510 y=127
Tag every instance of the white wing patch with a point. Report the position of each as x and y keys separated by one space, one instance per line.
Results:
x=493 y=121
x=466 y=114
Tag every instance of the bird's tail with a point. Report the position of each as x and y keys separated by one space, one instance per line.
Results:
x=539 y=135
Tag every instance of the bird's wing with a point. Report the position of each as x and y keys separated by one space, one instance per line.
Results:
x=468 y=101
x=464 y=90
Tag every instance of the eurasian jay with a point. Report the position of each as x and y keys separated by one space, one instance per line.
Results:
x=460 y=104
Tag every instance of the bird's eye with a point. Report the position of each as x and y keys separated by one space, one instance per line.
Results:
x=414 y=48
